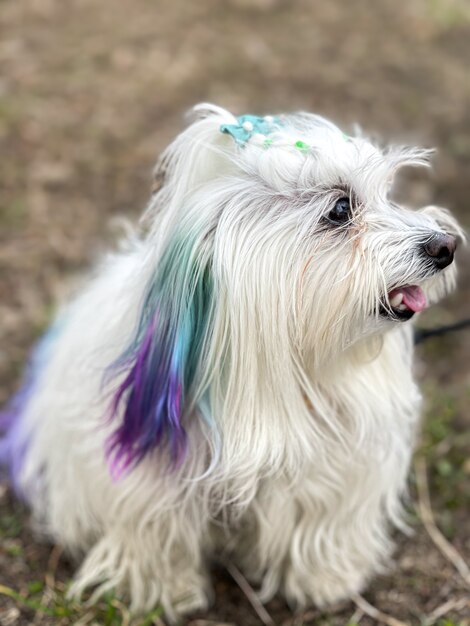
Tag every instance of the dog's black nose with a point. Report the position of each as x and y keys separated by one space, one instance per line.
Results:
x=441 y=247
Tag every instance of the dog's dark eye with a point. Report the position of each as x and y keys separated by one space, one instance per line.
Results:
x=341 y=212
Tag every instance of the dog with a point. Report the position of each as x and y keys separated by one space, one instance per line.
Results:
x=236 y=382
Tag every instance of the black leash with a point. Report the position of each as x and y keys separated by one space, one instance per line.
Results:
x=421 y=334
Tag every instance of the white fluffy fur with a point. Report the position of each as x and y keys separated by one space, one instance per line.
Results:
x=314 y=408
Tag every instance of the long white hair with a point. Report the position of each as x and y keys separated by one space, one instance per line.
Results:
x=240 y=365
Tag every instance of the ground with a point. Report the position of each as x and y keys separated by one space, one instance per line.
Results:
x=90 y=91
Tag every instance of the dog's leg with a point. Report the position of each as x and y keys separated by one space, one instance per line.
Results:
x=320 y=544
x=149 y=564
x=143 y=535
x=334 y=551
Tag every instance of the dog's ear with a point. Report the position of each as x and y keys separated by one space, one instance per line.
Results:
x=194 y=157
x=159 y=369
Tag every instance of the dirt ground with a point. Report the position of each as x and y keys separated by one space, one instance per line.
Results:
x=92 y=90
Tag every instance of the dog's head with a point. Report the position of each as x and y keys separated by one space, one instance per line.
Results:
x=275 y=240
x=298 y=223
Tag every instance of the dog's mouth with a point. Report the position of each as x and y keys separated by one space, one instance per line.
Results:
x=404 y=302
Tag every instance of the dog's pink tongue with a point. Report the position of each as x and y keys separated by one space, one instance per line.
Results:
x=413 y=297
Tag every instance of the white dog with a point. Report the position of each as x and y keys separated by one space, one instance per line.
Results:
x=238 y=381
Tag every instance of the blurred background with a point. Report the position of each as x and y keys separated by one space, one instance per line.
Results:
x=92 y=90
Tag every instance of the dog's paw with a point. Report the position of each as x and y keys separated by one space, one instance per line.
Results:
x=322 y=589
x=188 y=591
x=142 y=583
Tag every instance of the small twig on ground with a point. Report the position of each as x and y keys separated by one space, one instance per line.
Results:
x=52 y=564
x=250 y=594
x=125 y=613
x=443 y=447
x=301 y=618
x=356 y=616
x=49 y=592
x=427 y=517
x=371 y=611
x=206 y=622
x=451 y=605
x=10 y=616
x=8 y=591
x=85 y=619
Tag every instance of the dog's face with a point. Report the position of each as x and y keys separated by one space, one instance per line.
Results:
x=306 y=238
x=302 y=232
